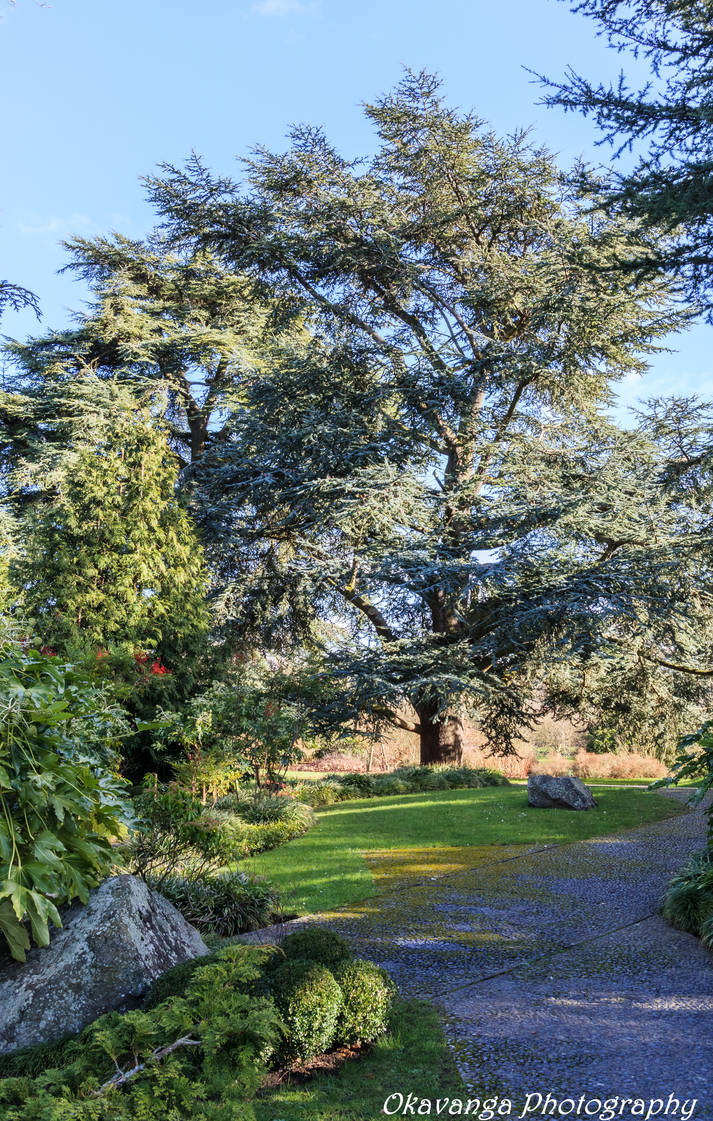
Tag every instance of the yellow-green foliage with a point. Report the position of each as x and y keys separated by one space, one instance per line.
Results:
x=199 y=1055
x=310 y=1003
x=368 y=994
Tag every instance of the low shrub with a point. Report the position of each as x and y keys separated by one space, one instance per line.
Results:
x=368 y=994
x=310 y=1003
x=359 y=785
x=261 y=808
x=226 y=903
x=389 y=785
x=200 y=1055
x=554 y=764
x=405 y=780
x=319 y=793
x=174 y=981
x=591 y=764
x=258 y=808
x=509 y=766
x=316 y=944
x=248 y=839
x=688 y=902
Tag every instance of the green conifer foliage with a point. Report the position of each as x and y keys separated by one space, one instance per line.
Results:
x=187 y=325
x=434 y=473
x=668 y=124
x=111 y=562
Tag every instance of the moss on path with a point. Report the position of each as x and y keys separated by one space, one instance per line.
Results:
x=551 y=969
x=331 y=865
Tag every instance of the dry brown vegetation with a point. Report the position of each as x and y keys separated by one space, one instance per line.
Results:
x=553 y=747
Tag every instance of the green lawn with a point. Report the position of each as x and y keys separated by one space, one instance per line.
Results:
x=326 y=868
x=413 y=1058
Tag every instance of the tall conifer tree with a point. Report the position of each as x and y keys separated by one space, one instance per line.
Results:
x=435 y=472
x=110 y=560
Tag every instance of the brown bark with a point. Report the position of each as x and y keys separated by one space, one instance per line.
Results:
x=441 y=740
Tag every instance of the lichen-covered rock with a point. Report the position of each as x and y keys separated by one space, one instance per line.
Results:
x=554 y=791
x=104 y=958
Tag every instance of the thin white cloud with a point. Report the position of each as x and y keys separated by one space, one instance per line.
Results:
x=284 y=8
x=58 y=225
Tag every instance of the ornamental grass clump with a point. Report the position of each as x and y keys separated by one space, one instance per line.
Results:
x=262 y=821
x=317 y=794
x=688 y=902
x=224 y=904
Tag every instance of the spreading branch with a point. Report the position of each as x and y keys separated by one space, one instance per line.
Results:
x=123 y=1076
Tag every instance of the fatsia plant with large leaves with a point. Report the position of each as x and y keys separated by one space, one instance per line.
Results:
x=61 y=800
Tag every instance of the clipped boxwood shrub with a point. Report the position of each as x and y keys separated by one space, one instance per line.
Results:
x=368 y=994
x=316 y=944
x=310 y=1003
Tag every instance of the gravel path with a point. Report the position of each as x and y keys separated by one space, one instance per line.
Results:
x=554 y=973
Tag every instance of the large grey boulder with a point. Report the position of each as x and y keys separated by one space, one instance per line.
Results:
x=546 y=792
x=105 y=957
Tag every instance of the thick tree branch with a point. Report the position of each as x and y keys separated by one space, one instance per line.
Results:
x=499 y=434
x=367 y=608
x=398 y=720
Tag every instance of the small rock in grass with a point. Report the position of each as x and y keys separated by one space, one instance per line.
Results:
x=565 y=792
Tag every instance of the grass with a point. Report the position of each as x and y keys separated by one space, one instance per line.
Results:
x=326 y=867
x=414 y=1057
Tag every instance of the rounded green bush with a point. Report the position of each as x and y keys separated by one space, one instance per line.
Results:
x=368 y=994
x=317 y=945
x=360 y=784
x=310 y=1003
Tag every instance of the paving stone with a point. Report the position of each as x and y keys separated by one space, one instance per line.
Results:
x=553 y=971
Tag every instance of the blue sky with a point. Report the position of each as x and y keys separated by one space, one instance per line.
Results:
x=98 y=92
